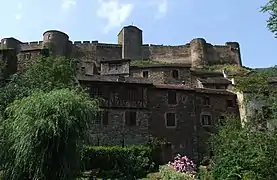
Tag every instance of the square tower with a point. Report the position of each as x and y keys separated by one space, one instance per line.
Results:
x=130 y=37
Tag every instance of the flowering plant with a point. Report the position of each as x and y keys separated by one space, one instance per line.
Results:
x=184 y=165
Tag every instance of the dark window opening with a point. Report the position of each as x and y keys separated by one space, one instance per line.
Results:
x=114 y=66
x=145 y=74
x=97 y=118
x=27 y=56
x=175 y=74
x=131 y=118
x=44 y=52
x=206 y=120
x=105 y=118
x=230 y=103
x=170 y=120
x=221 y=120
x=95 y=92
x=206 y=101
x=267 y=112
x=132 y=94
x=172 y=97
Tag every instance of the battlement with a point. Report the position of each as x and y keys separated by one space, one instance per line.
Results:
x=197 y=52
x=85 y=42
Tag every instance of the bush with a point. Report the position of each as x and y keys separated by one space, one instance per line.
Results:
x=118 y=162
x=169 y=173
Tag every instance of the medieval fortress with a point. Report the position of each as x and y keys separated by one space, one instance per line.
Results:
x=196 y=53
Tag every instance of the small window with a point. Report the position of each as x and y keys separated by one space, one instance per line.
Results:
x=221 y=120
x=267 y=112
x=132 y=94
x=27 y=56
x=114 y=66
x=105 y=118
x=170 y=120
x=145 y=74
x=44 y=52
x=206 y=101
x=206 y=120
x=130 y=118
x=230 y=103
x=171 y=95
x=175 y=74
x=97 y=118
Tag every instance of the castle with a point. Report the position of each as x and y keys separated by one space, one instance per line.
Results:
x=148 y=90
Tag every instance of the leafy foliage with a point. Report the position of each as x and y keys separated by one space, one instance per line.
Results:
x=271 y=9
x=169 y=173
x=117 y=162
x=44 y=134
x=243 y=153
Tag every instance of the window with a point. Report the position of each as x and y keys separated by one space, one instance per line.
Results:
x=132 y=94
x=221 y=120
x=206 y=101
x=171 y=95
x=97 y=118
x=27 y=56
x=131 y=118
x=105 y=118
x=206 y=120
x=230 y=103
x=44 y=52
x=114 y=66
x=175 y=74
x=95 y=92
x=267 y=112
x=170 y=120
x=145 y=74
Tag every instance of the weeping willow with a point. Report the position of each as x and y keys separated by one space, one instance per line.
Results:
x=44 y=134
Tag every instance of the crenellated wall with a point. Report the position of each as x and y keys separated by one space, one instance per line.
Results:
x=197 y=52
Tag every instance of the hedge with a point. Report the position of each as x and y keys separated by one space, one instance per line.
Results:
x=118 y=162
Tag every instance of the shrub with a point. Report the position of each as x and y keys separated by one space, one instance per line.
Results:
x=117 y=162
x=169 y=173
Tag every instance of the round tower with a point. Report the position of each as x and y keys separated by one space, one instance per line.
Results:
x=198 y=52
x=56 y=41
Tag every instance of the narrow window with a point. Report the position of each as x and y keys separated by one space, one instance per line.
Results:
x=175 y=74
x=145 y=74
x=130 y=118
x=170 y=120
x=206 y=101
x=97 y=118
x=105 y=118
x=206 y=120
x=132 y=94
x=171 y=95
x=230 y=103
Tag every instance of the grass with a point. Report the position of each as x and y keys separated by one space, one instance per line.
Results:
x=230 y=69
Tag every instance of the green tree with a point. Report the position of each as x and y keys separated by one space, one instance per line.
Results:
x=248 y=152
x=44 y=134
x=271 y=9
x=42 y=73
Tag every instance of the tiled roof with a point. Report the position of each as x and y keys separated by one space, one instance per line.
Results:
x=117 y=79
x=215 y=80
x=171 y=65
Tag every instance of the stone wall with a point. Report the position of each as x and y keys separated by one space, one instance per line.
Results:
x=163 y=74
x=172 y=54
x=111 y=68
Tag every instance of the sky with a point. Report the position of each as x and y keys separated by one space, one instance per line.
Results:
x=168 y=22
